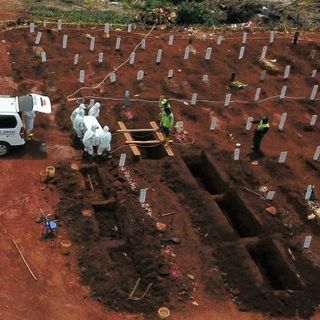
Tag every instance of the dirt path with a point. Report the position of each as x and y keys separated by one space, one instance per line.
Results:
x=10 y=10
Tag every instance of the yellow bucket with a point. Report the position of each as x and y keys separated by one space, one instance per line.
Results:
x=43 y=176
x=51 y=171
x=164 y=313
x=65 y=247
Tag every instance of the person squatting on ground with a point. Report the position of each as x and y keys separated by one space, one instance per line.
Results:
x=259 y=133
x=104 y=140
x=76 y=111
x=89 y=140
x=95 y=110
x=29 y=120
x=166 y=122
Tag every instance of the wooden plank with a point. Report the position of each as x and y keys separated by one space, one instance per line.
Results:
x=128 y=136
x=161 y=137
x=137 y=130
x=143 y=141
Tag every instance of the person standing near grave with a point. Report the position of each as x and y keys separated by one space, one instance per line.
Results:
x=259 y=133
x=88 y=142
x=166 y=122
x=29 y=120
x=76 y=111
x=95 y=110
x=104 y=140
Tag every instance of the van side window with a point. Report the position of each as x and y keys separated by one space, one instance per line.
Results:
x=7 y=121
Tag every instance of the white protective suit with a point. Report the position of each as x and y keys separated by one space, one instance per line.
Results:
x=88 y=139
x=95 y=110
x=29 y=119
x=78 y=124
x=76 y=111
x=104 y=141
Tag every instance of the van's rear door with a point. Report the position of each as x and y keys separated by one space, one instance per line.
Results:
x=41 y=103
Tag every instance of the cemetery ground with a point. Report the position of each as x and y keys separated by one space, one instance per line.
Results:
x=235 y=260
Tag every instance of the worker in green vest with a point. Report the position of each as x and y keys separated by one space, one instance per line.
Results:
x=166 y=122
x=259 y=133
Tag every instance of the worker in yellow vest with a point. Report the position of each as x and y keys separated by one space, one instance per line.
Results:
x=166 y=122
x=259 y=133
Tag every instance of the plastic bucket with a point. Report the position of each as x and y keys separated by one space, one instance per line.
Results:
x=65 y=247
x=164 y=313
x=51 y=171
x=43 y=176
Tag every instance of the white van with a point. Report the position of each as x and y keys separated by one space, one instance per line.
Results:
x=11 y=124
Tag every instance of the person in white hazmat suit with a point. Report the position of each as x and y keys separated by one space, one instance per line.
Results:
x=104 y=140
x=88 y=142
x=95 y=110
x=76 y=111
x=29 y=121
x=78 y=124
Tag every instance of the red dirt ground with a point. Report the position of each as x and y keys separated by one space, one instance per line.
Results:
x=213 y=250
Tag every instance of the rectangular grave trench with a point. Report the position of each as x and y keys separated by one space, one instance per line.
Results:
x=241 y=219
x=272 y=266
x=204 y=179
x=95 y=180
x=150 y=151
x=106 y=217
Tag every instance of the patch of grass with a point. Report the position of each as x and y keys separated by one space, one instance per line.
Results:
x=84 y=16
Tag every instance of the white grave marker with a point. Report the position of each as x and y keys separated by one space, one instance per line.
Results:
x=64 y=41
x=159 y=53
x=282 y=157
x=272 y=33
x=140 y=75
x=76 y=59
x=213 y=124
x=263 y=75
x=313 y=120
x=314 y=92
x=282 y=121
x=241 y=53
x=59 y=25
x=257 y=94
x=143 y=44
x=100 y=57
x=270 y=195
x=219 y=40
x=92 y=42
x=208 y=53
x=205 y=78
x=142 y=197
x=249 y=123
x=263 y=53
x=122 y=160
x=81 y=76
x=307 y=242
x=91 y=103
x=170 y=73
x=227 y=100
x=113 y=77
x=118 y=42
x=43 y=56
x=31 y=27
x=132 y=58
x=236 y=154
x=244 y=37
x=171 y=38
x=286 y=72
x=38 y=37
x=283 y=92
x=106 y=28
x=194 y=98
x=308 y=193
x=316 y=154
x=186 y=53
x=313 y=73
x=129 y=27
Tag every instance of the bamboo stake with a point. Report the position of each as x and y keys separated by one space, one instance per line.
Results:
x=91 y=185
x=24 y=260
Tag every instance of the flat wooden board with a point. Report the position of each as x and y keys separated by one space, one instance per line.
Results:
x=161 y=137
x=128 y=136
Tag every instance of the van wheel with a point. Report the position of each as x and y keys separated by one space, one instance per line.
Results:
x=4 y=148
